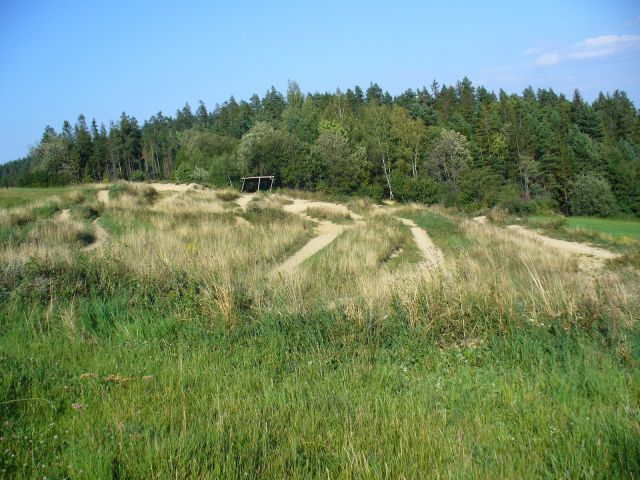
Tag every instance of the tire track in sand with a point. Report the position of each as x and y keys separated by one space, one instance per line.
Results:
x=433 y=257
x=574 y=248
x=101 y=236
x=327 y=231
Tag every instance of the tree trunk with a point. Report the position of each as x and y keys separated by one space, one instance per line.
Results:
x=386 y=174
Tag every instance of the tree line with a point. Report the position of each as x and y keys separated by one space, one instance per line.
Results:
x=459 y=145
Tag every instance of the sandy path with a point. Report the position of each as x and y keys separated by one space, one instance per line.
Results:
x=432 y=254
x=103 y=196
x=244 y=199
x=64 y=215
x=173 y=187
x=243 y=222
x=101 y=236
x=327 y=233
x=574 y=248
x=300 y=206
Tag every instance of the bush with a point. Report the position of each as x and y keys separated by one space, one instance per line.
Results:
x=423 y=190
x=137 y=176
x=511 y=199
x=200 y=175
x=591 y=195
x=227 y=195
x=183 y=174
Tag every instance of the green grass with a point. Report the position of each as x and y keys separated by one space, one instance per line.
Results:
x=15 y=197
x=305 y=398
x=106 y=372
x=444 y=231
x=618 y=228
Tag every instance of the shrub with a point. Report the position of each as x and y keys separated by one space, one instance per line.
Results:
x=227 y=195
x=183 y=174
x=591 y=195
x=511 y=199
x=200 y=175
x=137 y=176
x=423 y=190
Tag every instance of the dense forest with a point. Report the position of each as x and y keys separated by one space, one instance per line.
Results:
x=459 y=145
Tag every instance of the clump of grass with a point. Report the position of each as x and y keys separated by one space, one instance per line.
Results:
x=498 y=215
x=261 y=211
x=54 y=232
x=276 y=200
x=145 y=193
x=87 y=211
x=77 y=196
x=125 y=195
x=627 y=260
x=361 y=205
x=192 y=203
x=227 y=195
x=20 y=216
x=332 y=214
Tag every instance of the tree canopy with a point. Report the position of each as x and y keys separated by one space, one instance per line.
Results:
x=458 y=144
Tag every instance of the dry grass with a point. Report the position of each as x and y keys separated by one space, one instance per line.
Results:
x=191 y=237
x=192 y=202
x=331 y=213
x=181 y=323
x=227 y=195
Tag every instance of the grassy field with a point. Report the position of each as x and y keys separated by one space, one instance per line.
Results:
x=14 y=197
x=178 y=349
x=619 y=228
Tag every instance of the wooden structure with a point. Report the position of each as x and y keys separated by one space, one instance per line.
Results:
x=259 y=178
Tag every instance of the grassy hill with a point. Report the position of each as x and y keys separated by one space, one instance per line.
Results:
x=179 y=348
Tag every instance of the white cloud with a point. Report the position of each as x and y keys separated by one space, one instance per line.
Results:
x=589 y=49
x=548 y=59
x=532 y=51
x=614 y=41
x=587 y=54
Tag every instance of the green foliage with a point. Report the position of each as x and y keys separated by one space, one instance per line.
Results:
x=200 y=175
x=183 y=174
x=479 y=146
x=591 y=195
x=421 y=189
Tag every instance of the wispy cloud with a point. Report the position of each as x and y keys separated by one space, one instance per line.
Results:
x=548 y=59
x=591 y=48
x=633 y=21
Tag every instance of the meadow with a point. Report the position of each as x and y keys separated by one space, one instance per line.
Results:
x=611 y=230
x=179 y=347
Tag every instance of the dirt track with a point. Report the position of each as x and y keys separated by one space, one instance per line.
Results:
x=431 y=253
x=64 y=215
x=300 y=206
x=103 y=196
x=244 y=199
x=327 y=233
x=575 y=248
x=101 y=236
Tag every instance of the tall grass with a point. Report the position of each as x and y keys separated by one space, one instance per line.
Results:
x=179 y=350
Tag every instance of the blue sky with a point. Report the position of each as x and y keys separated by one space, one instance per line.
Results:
x=59 y=59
